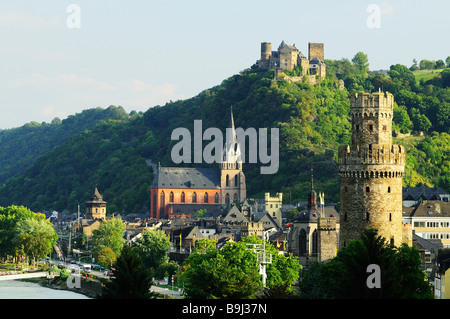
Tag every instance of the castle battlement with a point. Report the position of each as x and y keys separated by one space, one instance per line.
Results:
x=381 y=100
x=378 y=155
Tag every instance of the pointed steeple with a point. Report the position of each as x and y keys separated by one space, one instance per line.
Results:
x=232 y=151
x=312 y=195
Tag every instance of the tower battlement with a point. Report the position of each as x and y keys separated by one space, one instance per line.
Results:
x=381 y=100
x=377 y=155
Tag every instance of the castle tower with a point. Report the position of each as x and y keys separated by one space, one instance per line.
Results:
x=371 y=171
x=232 y=178
x=266 y=50
x=96 y=207
x=315 y=50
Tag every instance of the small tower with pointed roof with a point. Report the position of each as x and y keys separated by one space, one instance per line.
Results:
x=96 y=207
x=232 y=178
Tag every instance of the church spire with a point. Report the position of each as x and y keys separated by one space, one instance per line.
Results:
x=232 y=151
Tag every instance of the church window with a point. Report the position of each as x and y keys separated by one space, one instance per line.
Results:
x=216 y=198
x=315 y=237
x=171 y=197
x=205 y=198
x=227 y=198
x=194 y=197
x=236 y=183
x=183 y=197
x=302 y=242
x=235 y=198
x=227 y=181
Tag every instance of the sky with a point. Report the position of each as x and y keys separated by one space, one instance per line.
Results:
x=61 y=57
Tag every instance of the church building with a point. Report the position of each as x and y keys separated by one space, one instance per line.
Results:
x=181 y=191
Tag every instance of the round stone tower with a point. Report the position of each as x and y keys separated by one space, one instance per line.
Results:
x=266 y=50
x=371 y=171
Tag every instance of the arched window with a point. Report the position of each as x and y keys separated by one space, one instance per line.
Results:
x=236 y=181
x=162 y=204
x=171 y=197
x=302 y=242
x=227 y=181
x=194 y=197
x=183 y=197
x=235 y=198
x=205 y=198
x=216 y=198
x=227 y=198
x=315 y=242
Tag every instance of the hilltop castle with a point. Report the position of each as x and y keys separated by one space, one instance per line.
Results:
x=288 y=57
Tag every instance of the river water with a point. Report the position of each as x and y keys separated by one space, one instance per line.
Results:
x=14 y=289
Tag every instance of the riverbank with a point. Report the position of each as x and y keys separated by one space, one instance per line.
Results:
x=89 y=288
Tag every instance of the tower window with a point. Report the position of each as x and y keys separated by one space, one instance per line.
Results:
x=367 y=216
x=227 y=181
x=385 y=128
x=390 y=216
x=370 y=127
x=367 y=189
x=389 y=189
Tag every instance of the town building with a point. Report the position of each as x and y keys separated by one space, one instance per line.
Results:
x=313 y=236
x=431 y=220
x=181 y=191
x=414 y=195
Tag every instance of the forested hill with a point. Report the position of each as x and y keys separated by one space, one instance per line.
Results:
x=313 y=121
x=21 y=146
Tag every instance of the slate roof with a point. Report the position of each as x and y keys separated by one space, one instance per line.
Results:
x=426 y=193
x=186 y=177
x=193 y=208
x=432 y=209
x=312 y=215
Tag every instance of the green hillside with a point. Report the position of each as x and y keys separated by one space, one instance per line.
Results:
x=313 y=121
x=21 y=146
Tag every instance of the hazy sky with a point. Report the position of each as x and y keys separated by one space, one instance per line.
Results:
x=58 y=59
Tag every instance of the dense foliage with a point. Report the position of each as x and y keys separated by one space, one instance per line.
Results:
x=25 y=233
x=348 y=275
x=117 y=155
x=232 y=271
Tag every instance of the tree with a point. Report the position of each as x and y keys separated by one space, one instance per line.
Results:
x=109 y=234
x=447 y=61
x=106 y=257
x=35 y=238
x=132 y=280
x=152 y=248
x=228 y=273
x=18 y=220
x=361 y=62
x=283 y=270
x=347 y=275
